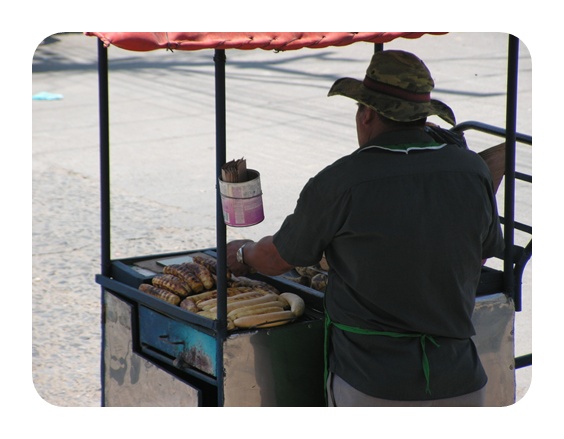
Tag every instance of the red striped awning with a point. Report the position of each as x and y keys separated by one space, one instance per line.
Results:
x=146 y=41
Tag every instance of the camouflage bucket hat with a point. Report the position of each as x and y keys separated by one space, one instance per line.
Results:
x=397 y=85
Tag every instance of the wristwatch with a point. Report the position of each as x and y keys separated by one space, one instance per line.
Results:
x=240 y=257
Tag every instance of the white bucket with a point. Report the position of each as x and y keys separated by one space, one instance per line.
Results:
x=242 y=202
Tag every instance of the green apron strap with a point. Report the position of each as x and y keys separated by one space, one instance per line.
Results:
x=422 y=339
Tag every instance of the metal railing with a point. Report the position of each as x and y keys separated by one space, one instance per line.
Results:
x=515 y=257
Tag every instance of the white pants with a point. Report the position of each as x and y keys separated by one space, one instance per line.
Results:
x=342 y=394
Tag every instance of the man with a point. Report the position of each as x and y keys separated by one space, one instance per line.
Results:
x=404 y=222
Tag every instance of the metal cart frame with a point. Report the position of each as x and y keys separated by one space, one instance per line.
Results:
x=515 y=258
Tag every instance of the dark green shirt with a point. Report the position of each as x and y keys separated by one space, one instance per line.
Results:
x=404 y=235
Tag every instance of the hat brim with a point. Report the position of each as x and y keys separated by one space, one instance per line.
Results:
x=389 y=106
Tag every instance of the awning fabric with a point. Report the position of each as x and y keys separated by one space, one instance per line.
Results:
x=279 y=41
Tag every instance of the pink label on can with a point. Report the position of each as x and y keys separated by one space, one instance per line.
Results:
x=241 y=212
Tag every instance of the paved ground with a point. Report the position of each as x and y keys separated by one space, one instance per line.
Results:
x=162 y=155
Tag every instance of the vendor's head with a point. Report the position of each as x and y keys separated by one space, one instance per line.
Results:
x=397 y=86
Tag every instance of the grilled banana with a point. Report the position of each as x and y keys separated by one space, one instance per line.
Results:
x=319 y=282
x=212 y=294
x=264 y=320
x=255 y=301
x=302 y=271
x=160 y=293
x=173 y=284
x=255 y=284
x=213 y=316
x=206 y=305
x=202 y=273
x=189 y=305
x=210 y=264
x=187 y=275
x=208 y=314
x=261 y=308
x=297 y=304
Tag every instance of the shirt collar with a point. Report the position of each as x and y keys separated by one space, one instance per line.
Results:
x=403 y=141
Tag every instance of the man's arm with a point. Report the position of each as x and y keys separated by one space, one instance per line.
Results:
x=261 y=256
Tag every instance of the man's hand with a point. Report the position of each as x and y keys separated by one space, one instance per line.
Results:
x=261 y=256
x=234 y=266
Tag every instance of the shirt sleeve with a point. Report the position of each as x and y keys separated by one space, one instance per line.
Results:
x=493 y=243
x=306 y=233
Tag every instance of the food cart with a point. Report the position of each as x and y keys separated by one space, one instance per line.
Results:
x=155 y=353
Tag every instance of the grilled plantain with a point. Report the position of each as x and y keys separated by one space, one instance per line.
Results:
x=189 y=305
x=319 y=282
x=172 y=283
x=210 y=263
x=256 y=285
x=264 y=320
x=160 y=293
x=201 y=273
x=187 y=275
x=205 y=305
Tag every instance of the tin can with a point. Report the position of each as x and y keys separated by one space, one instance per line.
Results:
x=242 y=202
